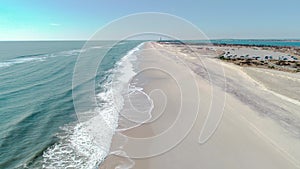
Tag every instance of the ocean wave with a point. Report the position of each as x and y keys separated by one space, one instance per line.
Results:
x=74 y=52
x=86 y=144
x=21 y=60
x=39 y=57
x=32 y=55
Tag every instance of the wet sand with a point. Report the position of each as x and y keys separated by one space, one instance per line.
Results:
x=259 y=127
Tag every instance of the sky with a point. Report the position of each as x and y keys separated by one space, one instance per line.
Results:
x=80 y=19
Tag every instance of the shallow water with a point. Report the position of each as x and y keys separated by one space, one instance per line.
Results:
x=38 y=121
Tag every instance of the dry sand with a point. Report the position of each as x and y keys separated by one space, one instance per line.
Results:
x=259 y=128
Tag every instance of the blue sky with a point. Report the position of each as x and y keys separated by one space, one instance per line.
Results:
x=78 y=19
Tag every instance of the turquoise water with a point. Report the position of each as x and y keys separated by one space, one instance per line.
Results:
x=36 y=96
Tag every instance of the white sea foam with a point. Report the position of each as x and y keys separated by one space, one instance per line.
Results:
x=85 y=145
x=97 y=47
x=21 y=60
x=40 y=58
x=67 y=53
x=139 y=103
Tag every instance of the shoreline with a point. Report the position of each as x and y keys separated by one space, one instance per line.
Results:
x=242 y=131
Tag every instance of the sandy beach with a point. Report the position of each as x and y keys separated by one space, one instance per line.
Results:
x=223 y=115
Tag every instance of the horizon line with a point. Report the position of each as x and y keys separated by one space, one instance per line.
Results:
x=61 y=40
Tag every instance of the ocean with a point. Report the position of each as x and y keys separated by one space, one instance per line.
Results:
x=39 y=126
